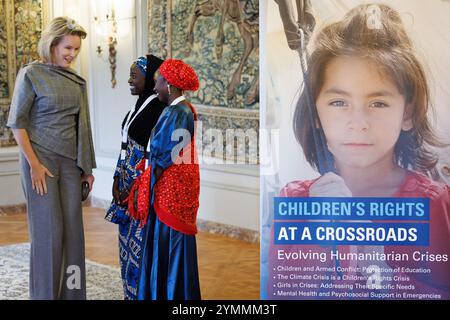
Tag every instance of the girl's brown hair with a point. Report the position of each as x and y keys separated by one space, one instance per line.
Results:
x=375 y=32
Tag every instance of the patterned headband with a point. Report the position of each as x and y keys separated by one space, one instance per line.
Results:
x=141 y=63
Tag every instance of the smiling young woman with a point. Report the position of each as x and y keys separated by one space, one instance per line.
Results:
x=136 y=129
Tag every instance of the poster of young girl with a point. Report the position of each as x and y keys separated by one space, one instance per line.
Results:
x=355 y=156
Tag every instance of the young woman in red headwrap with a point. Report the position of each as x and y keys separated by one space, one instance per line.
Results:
x=166 y=198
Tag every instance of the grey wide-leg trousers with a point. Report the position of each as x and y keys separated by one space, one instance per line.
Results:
x=57 y=261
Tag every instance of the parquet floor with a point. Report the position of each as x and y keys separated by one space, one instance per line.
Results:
x=228 y=268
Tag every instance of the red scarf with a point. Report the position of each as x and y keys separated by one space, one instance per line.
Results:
x=176 y=193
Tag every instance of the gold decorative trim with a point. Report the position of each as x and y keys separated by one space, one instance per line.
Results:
x=11 y=44
x=228 y=112
x=45 y=13
x=16 y=30
x=10 y=49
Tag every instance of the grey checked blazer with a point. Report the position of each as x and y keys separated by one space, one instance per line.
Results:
x=51 y=103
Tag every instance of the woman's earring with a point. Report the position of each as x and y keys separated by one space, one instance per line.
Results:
x=168 y=88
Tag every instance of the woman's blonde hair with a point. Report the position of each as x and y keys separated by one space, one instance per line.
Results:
x=53 y=34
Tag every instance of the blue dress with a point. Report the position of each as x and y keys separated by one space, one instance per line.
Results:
x=130 y=233
x=169 y=269
x=137 y=126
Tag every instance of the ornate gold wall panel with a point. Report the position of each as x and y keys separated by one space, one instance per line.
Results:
x=21 y=24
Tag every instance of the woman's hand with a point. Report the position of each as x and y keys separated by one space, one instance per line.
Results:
x=38 y=172
x=89 y=178
x=329 y=185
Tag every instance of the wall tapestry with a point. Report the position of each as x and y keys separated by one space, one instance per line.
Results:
x=219 y=38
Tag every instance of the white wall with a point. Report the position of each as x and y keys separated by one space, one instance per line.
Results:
x=229 y=194
x=10 y=187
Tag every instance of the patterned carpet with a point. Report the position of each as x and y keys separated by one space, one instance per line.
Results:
x=102 y=282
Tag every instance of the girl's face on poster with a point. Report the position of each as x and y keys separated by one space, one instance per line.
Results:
x=66 y=51
x=361 y=112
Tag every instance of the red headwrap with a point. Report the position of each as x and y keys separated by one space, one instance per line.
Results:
x=179 y=74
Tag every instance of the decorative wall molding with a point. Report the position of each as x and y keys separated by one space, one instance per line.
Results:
x=230 y=187
x=215 y=124
x=242 y=170
x=14 y=209
x=228 y=112
x=228 y=230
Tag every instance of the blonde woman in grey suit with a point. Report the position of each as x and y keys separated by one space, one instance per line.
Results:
x=49 y=117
